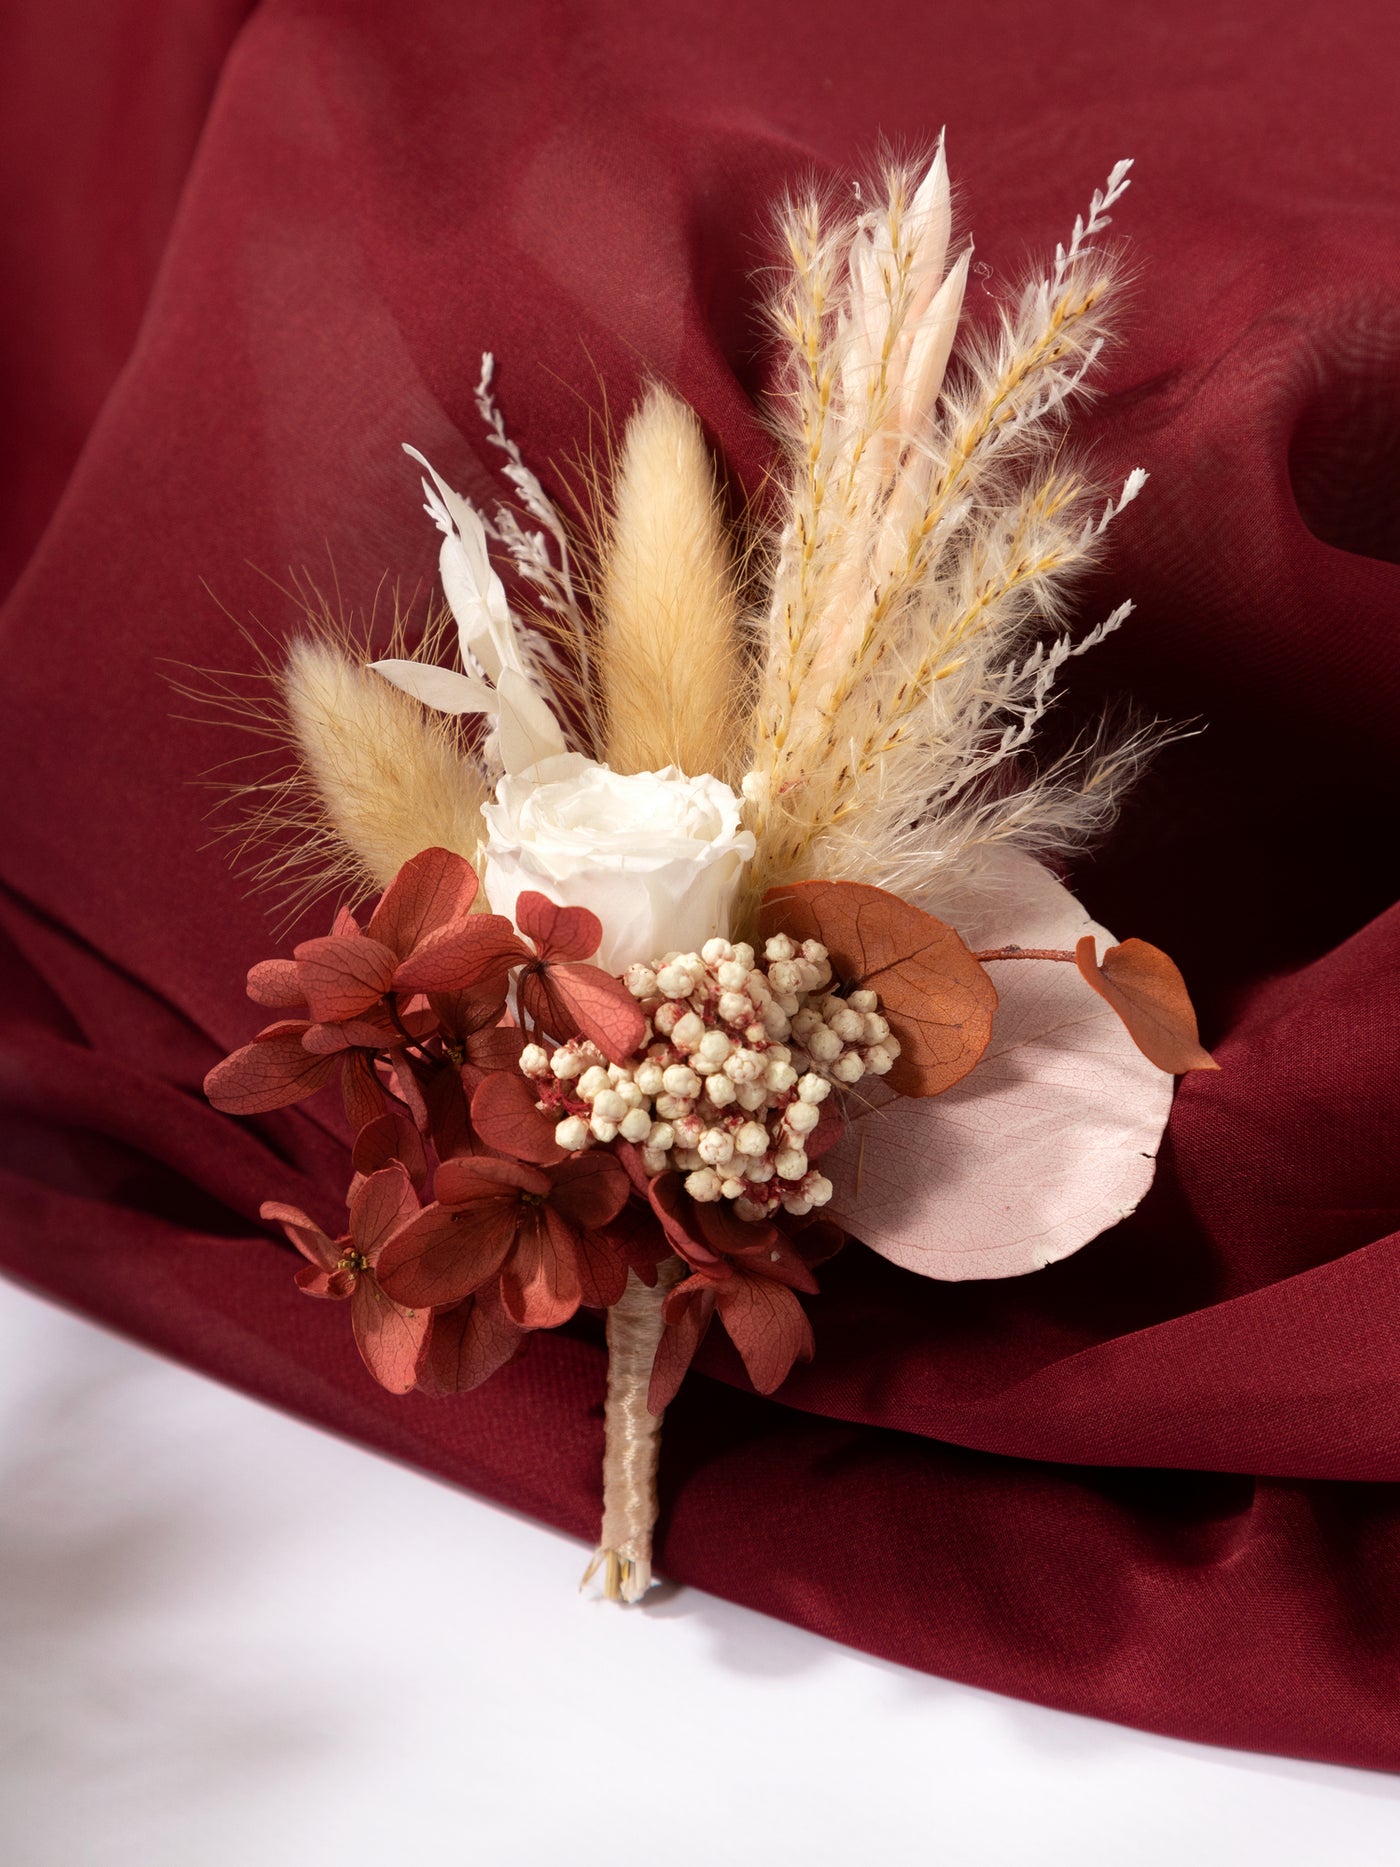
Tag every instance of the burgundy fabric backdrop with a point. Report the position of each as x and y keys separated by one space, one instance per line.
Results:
x=1156 y=1482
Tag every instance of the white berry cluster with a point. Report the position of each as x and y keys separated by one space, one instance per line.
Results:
x=740 y=1054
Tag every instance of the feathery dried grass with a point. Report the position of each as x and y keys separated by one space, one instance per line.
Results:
x=669 y=651
x=932 y=533
x=349 y=777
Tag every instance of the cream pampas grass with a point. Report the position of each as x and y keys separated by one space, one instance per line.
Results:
x=669 y=653
x=933 y=530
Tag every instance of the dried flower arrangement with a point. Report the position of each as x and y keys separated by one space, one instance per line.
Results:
x=715 y=932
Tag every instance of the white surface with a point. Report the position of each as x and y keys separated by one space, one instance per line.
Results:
x=227 y=1640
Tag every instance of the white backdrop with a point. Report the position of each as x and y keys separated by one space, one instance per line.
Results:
x=229 y=1640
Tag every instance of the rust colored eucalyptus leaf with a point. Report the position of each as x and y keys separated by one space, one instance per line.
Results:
x=1146 y=989
x=558 y=933
x=936 y=994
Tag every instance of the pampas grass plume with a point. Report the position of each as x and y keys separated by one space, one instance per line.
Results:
x=669 y=653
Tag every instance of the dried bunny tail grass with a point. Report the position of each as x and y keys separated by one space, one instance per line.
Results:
x=669 y=648
x=350 y=777
x=389 y=777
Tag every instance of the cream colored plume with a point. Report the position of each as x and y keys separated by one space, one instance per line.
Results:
x=669 y=656
x=933 y=530
x=389 y=778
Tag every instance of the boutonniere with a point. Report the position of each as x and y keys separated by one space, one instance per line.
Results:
x=715 y=925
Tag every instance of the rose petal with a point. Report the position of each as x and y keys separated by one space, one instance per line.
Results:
x=430 y=891
x=343 y=975
x=1051 y=1140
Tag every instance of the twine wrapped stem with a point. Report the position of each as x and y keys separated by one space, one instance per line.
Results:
x=632 y=1438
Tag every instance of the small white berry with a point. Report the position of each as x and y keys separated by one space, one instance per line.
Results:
x=603 y=1130
x=745 y=1066
x=796 y=1204
x=687 y=1159
x=802 y=1117
x=609 y=1106
x=593 y=1082
x=572 y=1134
x=629 y=1092
x=751 y=1096
x=775 y=1021
x=650 y=1078
x=719 y=1090
x=715 y=952
x=687 y=1032
x=680 y=1080
x=640 y=981
x=662 y=1137
x=735 y=1007
x=779 y=1077
x=673 y=1108
x=703 y=1185
x=779 y=947
x=785 y=976
x=731 y=1189
x=714 y=1047
x=824 y=1044
x=635 y=1125
x=808 y=1019
x=864 y=1001
x=731 y=976
x=791 y=1163
x=743 y=955
x=892 y=1045
x=566 y=1065
x=878 y=1061
x=848 y=1025
x=876 y=1030
x=674 y=982
x=655 y=1160
x=688 y=1130
x=534 y=1061
x=751 y=1139
x=715 y=1146
x=848 y=1068
x=818 y=1189
x=759 y=1171
x=666 y=1017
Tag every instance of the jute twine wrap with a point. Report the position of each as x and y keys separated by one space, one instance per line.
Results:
x=631 y=1438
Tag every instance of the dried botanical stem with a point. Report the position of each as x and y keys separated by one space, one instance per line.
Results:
x=632 y=1437
x=669 y=654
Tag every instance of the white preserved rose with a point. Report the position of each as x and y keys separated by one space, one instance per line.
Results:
x=656 y=856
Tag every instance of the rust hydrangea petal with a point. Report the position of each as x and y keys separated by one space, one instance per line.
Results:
x=767 y=1325
x=305 y=1234
x=271 y=1072
x=506 y=1118
x=461 y=955
x=447 y=1253
x=565 y=1000
x=481 y=1176
x=430 y=891
x=276 y=983
x=343 y=975
x=558 y=933
x=392 y=1340
x=384 y=1203
x=390 y=1137
x=360 y=1091
x=937 y=995
x=468 y=1343
x=688 y=1310
x=540 y=1282
x=1149 y=994
x=590 y=1190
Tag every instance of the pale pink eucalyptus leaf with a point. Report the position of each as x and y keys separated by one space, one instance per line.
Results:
x=1049 y=1141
